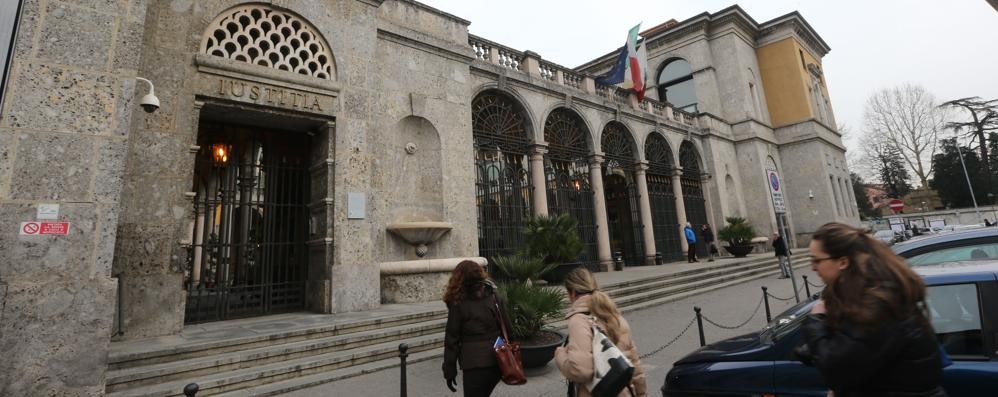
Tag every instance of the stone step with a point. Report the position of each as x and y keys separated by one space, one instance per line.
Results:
x=279 y=371
x=707 y=267
x=686 y=277
x=127 y=378
x=290 y=385
x=145 y=352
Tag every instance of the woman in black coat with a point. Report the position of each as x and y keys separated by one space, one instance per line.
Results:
x=869 y=335
x=471 y=331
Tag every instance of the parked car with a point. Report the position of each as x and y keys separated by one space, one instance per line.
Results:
x=962 y=245
x=888 y=237
x=963 y=302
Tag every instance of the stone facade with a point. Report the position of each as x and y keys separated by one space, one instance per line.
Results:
x=381 y=91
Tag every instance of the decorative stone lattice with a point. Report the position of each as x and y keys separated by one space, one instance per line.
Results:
x=264 y=36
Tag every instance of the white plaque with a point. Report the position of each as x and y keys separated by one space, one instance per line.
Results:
x=356 y=205
x=47 y=211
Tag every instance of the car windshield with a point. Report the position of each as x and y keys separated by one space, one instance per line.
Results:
x=786 y=322
x=975 y=252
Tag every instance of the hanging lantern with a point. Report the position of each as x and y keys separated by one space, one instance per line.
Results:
x=220 y=153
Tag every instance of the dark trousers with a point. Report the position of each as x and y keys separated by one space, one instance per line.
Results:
x=479 y=382
x=691 y=255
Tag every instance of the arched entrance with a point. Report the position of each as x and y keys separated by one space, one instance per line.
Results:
x=502 y=177
x=249 y=255
x=622 y=207
x=566 y=172
x=693 y=197
x=665 y=221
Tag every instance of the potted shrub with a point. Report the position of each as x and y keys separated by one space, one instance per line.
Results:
x=555 y=239
x=738 y=234
x=530 y=306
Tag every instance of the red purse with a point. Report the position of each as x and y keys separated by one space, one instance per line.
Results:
x=508 y=354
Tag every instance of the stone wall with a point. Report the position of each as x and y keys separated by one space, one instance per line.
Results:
x=63 y=137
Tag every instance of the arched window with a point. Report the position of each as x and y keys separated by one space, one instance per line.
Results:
x=675 y=85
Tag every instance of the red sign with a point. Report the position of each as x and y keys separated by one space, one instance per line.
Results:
x=896 y=205
x=44 y=228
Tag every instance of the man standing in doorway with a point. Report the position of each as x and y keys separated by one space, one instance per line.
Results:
x=707 y=235
x=782 y=254
x=691 y=239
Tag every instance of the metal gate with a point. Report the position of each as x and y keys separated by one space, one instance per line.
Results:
x=693 y=198
x=665 y=221
x=248 y=255
x=502 y=177
x=624 y=218
x=570 y=192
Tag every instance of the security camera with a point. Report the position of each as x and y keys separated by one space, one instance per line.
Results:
x=149 y=102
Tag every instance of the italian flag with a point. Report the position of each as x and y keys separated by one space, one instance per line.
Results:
x=631 y=68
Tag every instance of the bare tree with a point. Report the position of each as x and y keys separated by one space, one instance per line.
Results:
x=907 y=117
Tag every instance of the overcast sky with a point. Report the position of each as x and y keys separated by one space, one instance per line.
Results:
x=950 y=47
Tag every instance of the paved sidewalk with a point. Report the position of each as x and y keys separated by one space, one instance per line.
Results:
x=652 y=327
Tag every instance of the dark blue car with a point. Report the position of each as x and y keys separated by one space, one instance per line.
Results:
x=963 y=302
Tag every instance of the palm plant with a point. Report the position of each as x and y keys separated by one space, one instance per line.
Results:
x=528 y=305
x=738 y=232
x=554 y=238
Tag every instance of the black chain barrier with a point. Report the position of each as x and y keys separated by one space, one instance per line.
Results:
x=808 y=285
x=742 y=324
x=653 y=352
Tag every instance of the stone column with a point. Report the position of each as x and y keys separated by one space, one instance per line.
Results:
x=705 y=180
x=537 y=179
x=677 y=190
x=645 y=206
x=599 y=204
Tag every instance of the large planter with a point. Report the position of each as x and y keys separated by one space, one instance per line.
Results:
x=739 y=251
x=557 y=275
x=534 y=356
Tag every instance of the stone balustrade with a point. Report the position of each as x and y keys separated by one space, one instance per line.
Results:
x=531 y=63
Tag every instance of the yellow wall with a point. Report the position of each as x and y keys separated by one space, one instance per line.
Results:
x=785 y=81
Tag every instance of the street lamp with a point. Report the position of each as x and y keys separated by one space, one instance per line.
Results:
x=965 y=174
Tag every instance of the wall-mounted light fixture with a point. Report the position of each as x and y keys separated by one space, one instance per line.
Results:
x=810 y=194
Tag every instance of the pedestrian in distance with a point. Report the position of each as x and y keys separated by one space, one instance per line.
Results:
x=691 y=240
x=472 y=330
x=869 y=334
x=782 y=255
x=575 y=359
x=707 y=235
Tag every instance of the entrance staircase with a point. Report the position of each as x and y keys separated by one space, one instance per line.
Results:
x=273 y=355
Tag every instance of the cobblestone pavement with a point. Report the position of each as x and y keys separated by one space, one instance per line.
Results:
x=652 y=328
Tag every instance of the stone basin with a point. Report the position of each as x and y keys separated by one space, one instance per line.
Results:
x=420 y=234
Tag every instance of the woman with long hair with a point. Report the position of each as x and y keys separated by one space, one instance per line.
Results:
x=575 y=359
x=869 y=335
x=471 y=331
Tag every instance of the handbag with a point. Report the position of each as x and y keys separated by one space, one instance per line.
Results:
x=508 y=353
x=612 y=371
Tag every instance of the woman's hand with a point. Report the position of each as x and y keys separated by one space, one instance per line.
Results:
x=819 y=307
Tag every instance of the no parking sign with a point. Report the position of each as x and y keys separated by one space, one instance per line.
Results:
x=776 y=190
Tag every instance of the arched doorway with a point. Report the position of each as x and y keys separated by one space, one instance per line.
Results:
x=693 y=197
x=502 y=178
x=665 y=220
x=566 y=172
x=249 y=255
x=620 y=188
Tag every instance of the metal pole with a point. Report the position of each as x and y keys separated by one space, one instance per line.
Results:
x=191 y=389
x=121 y=314
x=765 y=298
x=807 y=287
x=969 y=186
x=403 y=348
x=790 y=265
x=703 y=342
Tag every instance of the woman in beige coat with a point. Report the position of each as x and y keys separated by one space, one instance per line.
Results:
x=575 y=359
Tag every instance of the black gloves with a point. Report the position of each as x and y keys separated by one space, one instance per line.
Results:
x=452 y=384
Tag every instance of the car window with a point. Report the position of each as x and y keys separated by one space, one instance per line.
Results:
x=956 y=317
x=982 y=251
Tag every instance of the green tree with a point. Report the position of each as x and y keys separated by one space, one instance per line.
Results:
x=892 y=171
x=950 y=182
x=862 y=202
